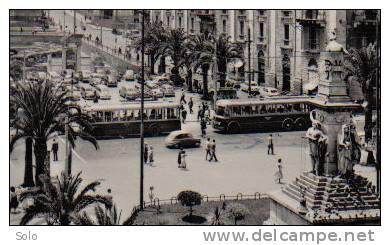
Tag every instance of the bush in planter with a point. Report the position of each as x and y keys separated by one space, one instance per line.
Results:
x=189 y=199
x=236 y=211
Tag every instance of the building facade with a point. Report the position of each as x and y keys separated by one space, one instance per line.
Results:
x=284 y=45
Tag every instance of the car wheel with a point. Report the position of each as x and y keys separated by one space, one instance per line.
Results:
x=288 y=124
x=300 y=123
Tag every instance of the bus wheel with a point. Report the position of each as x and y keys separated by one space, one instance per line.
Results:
x=300 y=123
x=233 y=128
x=154 y=131
x=288 y=124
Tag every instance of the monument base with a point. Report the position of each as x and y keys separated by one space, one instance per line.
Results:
x=329 y=201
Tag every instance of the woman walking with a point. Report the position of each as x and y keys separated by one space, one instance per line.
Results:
x=279 y=173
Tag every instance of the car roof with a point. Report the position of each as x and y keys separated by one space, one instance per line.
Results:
x=178 y=132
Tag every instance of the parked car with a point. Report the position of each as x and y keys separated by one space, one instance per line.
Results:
x=181 y=138
x=129 y=75
x=87 y=92
x=268 y=92
x=157 y=93
x=129 y=91
x=152 y=84
x=168 y=90
x=96 y=80
x=112 y=81
x=102 y=92
x=254 y=87
x=86 y=76
x=161 y=80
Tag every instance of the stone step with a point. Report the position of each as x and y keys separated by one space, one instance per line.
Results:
x=309 y=192
x=309 y=185
x=309 y=199
x=315 y=177
x=312 y=181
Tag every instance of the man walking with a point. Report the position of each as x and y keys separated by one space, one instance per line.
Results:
x=208 y=148
x=190 y=105
x=212 y=150
x=146 y=153
x=270 y=145
x=199 y=113
x=183 y=98
x=203 y=127
x=54 y=148
x=183 y=115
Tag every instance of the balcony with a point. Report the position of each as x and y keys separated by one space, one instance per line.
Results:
x=312 y=18
x=312 y=46
x=364 y=18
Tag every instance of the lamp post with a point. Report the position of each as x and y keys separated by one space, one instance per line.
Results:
x=141 y=190
x=249 y=62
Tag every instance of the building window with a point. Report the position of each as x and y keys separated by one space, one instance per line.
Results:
x=241 y=28
x=192 y=24
x=156 y=18
x=260 y=12
x=286 y=34
x=179 y=22
x=224 y=11
x=242 y=11
x=224 y=25
x=313 y=42
x=261 y=29
x=168 y=21
x=286 y=13
x=192 y=10
x=311 y=14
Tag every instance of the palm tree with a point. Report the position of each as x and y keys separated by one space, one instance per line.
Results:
x=362 y=65
x=154 y=37
x=203 y=52
x=225 y=50
x=174 y=46
x=103 y=217
x=187 y=61
x=45 y=111
x=60 y=202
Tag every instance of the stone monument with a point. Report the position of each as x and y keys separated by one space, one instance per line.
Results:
x=332 y=193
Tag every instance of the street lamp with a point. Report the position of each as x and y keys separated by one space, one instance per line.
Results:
x=141 y=198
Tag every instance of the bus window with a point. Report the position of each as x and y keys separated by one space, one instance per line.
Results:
x=227 y=112
x=159 y=114
x=237 y=110
x=254 y=110
x=263 y=109
x=153 y=114
x=220 y=110
x=108 y=116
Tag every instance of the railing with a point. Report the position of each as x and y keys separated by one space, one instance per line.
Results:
x=156 y=203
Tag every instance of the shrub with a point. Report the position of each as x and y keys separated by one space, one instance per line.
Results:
x=189 y=199
x=237 y=211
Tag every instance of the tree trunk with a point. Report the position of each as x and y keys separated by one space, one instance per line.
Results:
x=368 y=114
x=205 y=82
x=40 y=151
x=152 y=61
x=28 y=167
x=189 y=80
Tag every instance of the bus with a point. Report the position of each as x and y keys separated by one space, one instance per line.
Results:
x=259 y=115
x=124 y=120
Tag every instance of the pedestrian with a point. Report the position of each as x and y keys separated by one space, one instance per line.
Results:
x=151 y=159
x=199 y=113
x=54 y=149
x=212 y=151
x=208 y=149
x=14 y=203
x=183 y=97
x=179 y=157
x=203 y=127
x=184 y=115
x=119 y=50
x=190 y=105
x=270 y=145
x=146 y=153
x=279 y=174
x=183 y=160
x=95 y=97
